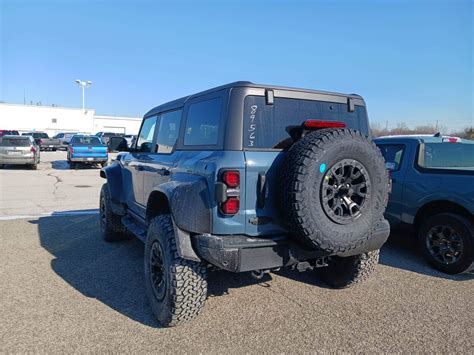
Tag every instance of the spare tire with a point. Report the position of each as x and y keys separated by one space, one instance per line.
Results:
x=334 y=189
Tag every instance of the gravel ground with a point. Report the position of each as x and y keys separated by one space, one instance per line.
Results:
x=65 y=290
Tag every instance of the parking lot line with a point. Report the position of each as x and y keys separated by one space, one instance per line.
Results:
x=51 y=214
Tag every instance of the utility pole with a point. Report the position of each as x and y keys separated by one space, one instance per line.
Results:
x=84 y=85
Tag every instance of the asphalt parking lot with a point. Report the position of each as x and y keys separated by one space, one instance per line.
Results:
x=64 y=289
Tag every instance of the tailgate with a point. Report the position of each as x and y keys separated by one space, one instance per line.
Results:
x=15 y=152
x=89 y=151
x=260 y=189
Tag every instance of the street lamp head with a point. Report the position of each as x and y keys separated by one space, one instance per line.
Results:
x=89 y=82
x=78 y=81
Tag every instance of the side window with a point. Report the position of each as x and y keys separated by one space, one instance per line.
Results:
x=168 y=131
x=202 y=122
x=392 y=154
x=145 y=138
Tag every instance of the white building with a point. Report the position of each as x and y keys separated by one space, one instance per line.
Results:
x=52 y=120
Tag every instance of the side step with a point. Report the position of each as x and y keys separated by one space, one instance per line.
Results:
x=135 y=227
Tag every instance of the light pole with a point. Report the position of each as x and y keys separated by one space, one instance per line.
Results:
x=83 y=85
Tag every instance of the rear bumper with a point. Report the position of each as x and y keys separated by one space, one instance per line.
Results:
x=50 y=146
x=89 y=159
x=18 y=160
x=240 y=253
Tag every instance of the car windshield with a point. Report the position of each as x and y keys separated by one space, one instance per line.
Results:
x=447 y=156
x=92 y=140
x=14 y=142
x=40 y=135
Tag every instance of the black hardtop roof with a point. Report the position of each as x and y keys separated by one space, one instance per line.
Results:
x=180 y=102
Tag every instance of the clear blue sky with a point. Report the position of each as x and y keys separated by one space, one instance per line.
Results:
x=411 y=60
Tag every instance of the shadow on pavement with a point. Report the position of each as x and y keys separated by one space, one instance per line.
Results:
x=111 y=272
x=15 y=167
x=401 y=252
x=64 y=165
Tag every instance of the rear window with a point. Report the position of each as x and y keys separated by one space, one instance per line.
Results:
x=14 y=142
x=446 y=156
x=392 y=154
x=265 y=125
x=40 y=135
x=86 y=141
x=202 y=122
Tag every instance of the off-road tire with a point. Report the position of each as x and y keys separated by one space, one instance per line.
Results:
x=184 y=282
x=349 y=271
x=303 y=170
x=464 y=228
x=111 y=226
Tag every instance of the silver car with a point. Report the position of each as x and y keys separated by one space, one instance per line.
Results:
x=19 y=150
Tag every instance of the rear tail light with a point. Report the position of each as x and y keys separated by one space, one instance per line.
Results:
x=71 y=150
x=33 y=149
x=40 y=141
x=231 y=178
x=323 y=124
x=452 y=140
x=106 y=150
x=231 y=206
x=231 y=181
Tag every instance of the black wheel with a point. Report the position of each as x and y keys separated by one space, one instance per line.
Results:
x=72 y=165
x=54 y=149
x=33 y=166
x=1 y=166
x=349 y=271
x=103 y=164
x=447 y=243
x=111 y=227
x=334 y=189
x=176 y=288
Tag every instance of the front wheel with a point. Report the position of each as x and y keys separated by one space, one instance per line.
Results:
x=176 y=288
x=349 y=271
x=447 y=243
x=111 y=226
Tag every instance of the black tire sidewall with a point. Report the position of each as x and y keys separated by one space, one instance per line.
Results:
x=160 y=307
x=466 y=231
x=332 y=236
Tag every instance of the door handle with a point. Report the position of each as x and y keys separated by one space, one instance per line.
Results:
x=163 y=172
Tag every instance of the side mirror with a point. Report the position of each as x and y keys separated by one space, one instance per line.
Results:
x=118 y=144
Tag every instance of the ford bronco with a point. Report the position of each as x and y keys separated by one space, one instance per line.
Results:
x=248 y=178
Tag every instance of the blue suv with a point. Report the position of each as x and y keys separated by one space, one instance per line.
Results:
x=248 y=178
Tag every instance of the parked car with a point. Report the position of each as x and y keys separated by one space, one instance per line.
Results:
x=88 y=150
x=248 y=178
x=5 y=132
x=19 y=150
x=43 y=141
x=105 y=136
x=433 y=195
x=65 y=138
x=131 y=138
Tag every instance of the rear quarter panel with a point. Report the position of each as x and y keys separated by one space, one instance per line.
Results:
x=200 y=169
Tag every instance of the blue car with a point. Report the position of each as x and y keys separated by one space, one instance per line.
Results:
x=87 y=150
x=433 y=196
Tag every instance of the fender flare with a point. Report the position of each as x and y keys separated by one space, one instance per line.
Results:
x=113 y=175
x=180 y=195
